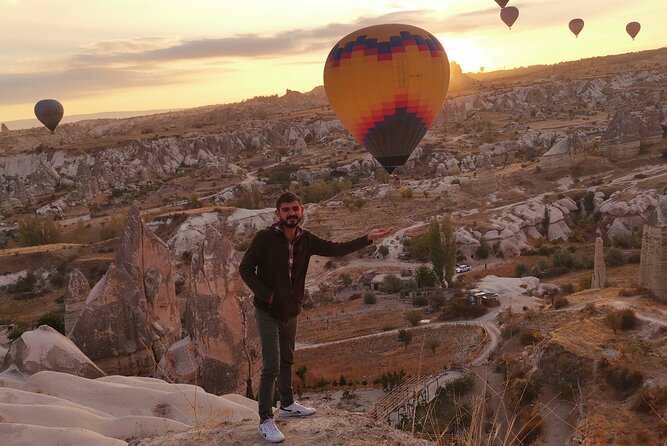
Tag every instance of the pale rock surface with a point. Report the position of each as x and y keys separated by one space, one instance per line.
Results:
x=45 y=349
x=222 y=348
x=466 y=242
x=599 y=275
x=77 y=291
x=62 y=409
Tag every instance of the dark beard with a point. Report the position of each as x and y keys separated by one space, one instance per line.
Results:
x=293 y=222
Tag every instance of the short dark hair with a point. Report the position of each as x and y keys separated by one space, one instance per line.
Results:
x=287 y=197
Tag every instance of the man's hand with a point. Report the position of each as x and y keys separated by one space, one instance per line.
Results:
x=379 y=233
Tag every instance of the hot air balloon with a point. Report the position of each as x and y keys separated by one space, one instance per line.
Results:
x=387 y=83
x=481 y=69
x=49 y=112
x=576 y=25
x=633 y=28
x=502 y=3
x=509 y=15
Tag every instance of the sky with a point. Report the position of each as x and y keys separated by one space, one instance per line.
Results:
x=129 y=55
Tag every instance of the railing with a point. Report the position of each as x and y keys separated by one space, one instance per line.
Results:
x=414 y=388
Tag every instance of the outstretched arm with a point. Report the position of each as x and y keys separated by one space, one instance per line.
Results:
x=379 y=233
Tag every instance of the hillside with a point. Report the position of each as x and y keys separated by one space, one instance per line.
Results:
x=531 y=164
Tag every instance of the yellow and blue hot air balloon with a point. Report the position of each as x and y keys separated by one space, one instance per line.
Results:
x=387 y=84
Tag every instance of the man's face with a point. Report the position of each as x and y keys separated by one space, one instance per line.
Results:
x=290 y=214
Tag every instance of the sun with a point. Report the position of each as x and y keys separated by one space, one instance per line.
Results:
x=466 y=53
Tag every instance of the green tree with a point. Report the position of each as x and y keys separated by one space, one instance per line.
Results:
x=482 y=250
x=425 y=276
x=405 y=337
x=384 y=251
x=449 y=242
x=589 y=203
x=437 y=248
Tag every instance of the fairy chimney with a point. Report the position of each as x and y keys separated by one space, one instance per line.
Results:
x=599 y=274
x=75 y=296
x=653 y=259
x=131 y=316
x=221 y=350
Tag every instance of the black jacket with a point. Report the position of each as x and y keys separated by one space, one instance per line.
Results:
x=264 y=267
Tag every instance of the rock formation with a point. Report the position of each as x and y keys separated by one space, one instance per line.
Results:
x=221 y=350
x=4 y=129
x=131 y=316
x=75 y=296
x=653 y=260
x=599 y=275
x=622 y=138
x=45 y=349
x=565 y=153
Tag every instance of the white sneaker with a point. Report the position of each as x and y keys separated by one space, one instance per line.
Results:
x=270 y=431
x=296 y=410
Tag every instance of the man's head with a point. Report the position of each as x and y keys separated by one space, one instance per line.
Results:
x=289 y=209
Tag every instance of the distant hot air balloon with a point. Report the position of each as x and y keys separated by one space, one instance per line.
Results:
x=387 y=84
x=502 y=3
x=633 y=28
x=49 y=112
x=481 y=69
x=509 y=15
x=576 y=25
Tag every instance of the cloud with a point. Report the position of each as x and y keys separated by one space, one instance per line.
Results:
x=80 y=82
x=139 y=61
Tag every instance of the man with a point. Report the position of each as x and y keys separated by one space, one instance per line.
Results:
x=274 y=268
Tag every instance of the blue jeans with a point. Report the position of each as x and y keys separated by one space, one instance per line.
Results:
x=277 y=339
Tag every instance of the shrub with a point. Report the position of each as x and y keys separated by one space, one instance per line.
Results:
x=651 y=399
x=406 y=192
x=614 y=257
x=55 y=320
x=414 y=317
x=57 y=279
x=567 y=288
x=623 y=380
x=528 y=337
x=521 y=270
x=482 y=251
x=24 y=284
x=392 y=283
x=563 y=259
x=589 y=203
x=624 y=319
x=560 y=302
x=17 y=331
x=36 y=230
x=383 y=250
x=461 y=309
x=113 y=228
x=405 y=337
x=370 y=298
x=585 y=282
x=420 y=301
